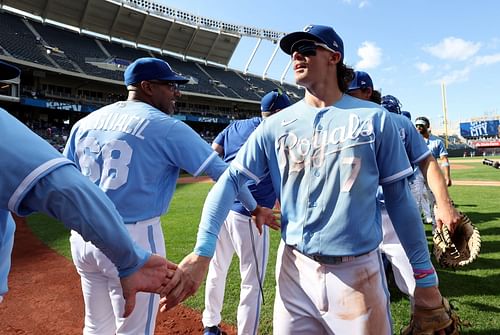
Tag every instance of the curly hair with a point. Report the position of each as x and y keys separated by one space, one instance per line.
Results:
x=345 y=75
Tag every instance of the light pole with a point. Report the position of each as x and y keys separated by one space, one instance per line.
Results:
x=445 y=120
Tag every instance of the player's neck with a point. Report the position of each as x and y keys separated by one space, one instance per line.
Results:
x=322 y=97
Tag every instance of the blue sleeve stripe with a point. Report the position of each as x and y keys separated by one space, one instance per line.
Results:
x=205 y=163
x=421 y=158
x=40 y=171
x=398 y=176
x=246 y=172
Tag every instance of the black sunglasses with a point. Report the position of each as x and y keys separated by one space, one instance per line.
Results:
x=171 y=85
x=305 y=48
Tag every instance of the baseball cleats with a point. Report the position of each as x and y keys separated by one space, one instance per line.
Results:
x=214 y=330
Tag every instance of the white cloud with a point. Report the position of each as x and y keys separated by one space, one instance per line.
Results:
x=454 y=76
x=363 y=4
x=360 y=3
x=487 y=60
x=423 y=67
x=370 y=54
x=453 y=48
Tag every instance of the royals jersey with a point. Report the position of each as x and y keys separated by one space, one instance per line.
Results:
x=134 y=153
x=436 y=146
x=415 y=147
x=231 y=139
x=326 y=165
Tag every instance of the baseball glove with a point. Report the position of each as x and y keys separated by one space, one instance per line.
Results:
x=428 y=321
x=457 y=249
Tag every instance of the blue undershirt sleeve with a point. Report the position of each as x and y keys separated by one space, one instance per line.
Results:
x=404 y=214
x=215 y=210
x=217 y=168
x=83 y=207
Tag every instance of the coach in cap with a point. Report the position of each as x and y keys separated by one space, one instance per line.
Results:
x=36 y=178
x=133 y=150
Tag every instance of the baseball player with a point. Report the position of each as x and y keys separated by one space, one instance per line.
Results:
x=133 y=150
x=361 y=87
x=326 y=155
x=238 y=233
x=35 y=177
x=436 y=146
x=418 y=154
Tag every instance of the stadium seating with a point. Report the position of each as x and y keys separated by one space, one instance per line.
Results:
x=19 y=41
x=61 y=48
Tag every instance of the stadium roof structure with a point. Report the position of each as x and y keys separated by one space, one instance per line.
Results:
x=148 y=23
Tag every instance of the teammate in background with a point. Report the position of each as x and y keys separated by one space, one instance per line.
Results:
x=238 y=234
x=436 y=146
x=407 y=114
x=326 y=155
x=134 y=151
x=418 y=154
x=35 y=177
x=361 y=87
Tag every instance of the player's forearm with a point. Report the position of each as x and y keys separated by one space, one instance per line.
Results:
x=216 y=207
x=217 y=168
x=436 y=182
x=83 y=207
x=405 y=217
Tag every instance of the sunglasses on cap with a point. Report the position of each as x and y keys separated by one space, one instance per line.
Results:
x=308 y=48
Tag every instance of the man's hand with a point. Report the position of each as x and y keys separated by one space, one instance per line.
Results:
x=154 y=275
x=187 y=279
x=448 y=215
x=265 y=216
x=448 y=181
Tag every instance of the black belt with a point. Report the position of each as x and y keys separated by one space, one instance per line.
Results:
x=331 y=260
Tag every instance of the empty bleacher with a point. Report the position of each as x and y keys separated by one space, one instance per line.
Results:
x=20 y=42
x=29 y=40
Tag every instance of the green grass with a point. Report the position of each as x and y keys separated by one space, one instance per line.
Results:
x=474 y=291
x=475 y=170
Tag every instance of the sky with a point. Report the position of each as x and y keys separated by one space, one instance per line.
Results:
x=409 y=48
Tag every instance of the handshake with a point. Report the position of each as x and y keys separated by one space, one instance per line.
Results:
x=495 y=164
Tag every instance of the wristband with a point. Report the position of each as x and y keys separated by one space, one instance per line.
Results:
x=445 y=164
x=425 y=277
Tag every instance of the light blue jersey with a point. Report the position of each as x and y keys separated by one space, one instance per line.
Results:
x=347 y=149
x=232 y=139
x=415 y=146
x=29 y=183
x=436 y=146
x=134 y=153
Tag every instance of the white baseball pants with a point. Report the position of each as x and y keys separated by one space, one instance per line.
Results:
x=391 y=246
x=102 y=292
x=346 y=298
x=236 y=235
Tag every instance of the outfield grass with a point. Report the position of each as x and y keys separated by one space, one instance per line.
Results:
x=474 y=290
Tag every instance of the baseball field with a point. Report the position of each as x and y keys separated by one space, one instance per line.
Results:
x=35 y=290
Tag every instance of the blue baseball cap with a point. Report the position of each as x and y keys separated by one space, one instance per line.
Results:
x=406 y=113
x=274 y=100
x=361 y=80
x=149 y=68
x=318 y=33
x=8 y=71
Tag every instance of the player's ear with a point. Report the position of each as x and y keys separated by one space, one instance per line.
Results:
x=145 y=87
x=335 y=57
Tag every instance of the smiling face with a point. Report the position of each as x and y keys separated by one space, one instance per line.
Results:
x=311 y=61
x=164 y=95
